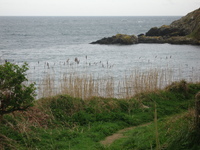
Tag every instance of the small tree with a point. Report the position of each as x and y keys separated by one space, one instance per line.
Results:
x=14 y=94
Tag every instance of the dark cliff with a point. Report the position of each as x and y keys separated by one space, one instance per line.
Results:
x=186 y=30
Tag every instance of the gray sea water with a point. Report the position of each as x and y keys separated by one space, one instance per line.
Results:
x=47 y=43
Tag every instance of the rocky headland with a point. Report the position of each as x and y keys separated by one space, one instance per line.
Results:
x=122 y=39
x=186 y=30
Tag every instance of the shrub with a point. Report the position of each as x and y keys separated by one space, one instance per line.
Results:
x=14 y=94
x=181 y=86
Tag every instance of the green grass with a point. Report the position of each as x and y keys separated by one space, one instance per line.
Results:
x=195 y=34
x=77 y=124
x=175 y=133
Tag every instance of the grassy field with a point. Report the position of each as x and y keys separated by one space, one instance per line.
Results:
x=70 y=123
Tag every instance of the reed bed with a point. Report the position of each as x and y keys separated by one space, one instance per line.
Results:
x=86 y=85
x=75 y=78
x=144 y=81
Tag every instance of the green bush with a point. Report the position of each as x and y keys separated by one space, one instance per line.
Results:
x=14 y=94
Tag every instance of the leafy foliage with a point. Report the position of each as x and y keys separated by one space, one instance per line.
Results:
x=74 y=123
x=14 y=94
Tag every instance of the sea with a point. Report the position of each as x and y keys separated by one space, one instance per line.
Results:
x=49 y=43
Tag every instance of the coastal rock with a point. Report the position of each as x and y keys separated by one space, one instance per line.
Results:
x=183 y=31
x=166 y=31
x=190 y=24
x=122 y=39
x=170 y=40
x=186 y=29
x=182 y=40
x=151 y=39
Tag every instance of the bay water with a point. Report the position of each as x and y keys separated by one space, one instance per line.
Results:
x=59 y=45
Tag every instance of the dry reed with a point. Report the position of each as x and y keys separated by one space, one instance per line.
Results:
x=73 y=79
x=85 y=85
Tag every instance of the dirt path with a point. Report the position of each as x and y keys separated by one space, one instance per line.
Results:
x=110 y=139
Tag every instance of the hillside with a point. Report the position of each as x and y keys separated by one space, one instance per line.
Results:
x=190 y=24
x=186 y=30
x=63 y=122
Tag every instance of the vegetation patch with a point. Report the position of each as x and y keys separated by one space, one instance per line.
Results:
x=64 y=122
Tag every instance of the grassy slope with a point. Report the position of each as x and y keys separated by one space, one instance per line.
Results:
x=173 y=135
x=63 y=122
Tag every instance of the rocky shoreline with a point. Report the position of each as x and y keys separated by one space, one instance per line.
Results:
x=183 y=31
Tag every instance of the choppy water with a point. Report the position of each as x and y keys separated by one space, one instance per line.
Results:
x=48 y=43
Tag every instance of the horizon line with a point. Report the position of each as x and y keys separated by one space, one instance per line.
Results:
x=92 y=16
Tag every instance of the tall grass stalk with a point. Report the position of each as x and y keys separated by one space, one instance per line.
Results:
x=156 y=129
x=197 y=111
x=85 y=85
x=147 y=81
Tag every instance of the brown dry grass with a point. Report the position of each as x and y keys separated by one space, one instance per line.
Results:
x=32 y=117
x=86 y=85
